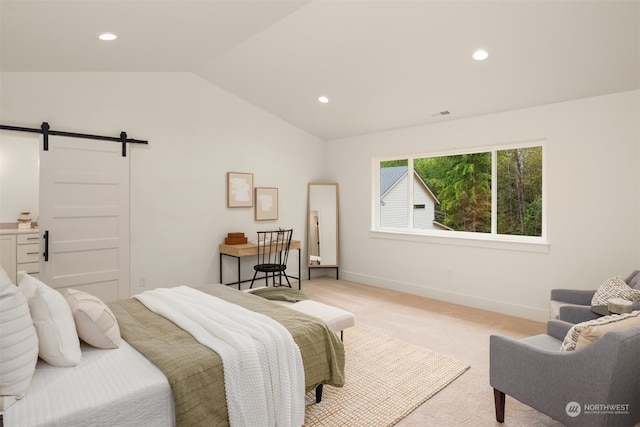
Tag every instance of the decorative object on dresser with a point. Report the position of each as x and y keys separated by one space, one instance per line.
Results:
x=24 y=222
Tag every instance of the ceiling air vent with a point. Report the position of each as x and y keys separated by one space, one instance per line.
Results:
x=441 y=113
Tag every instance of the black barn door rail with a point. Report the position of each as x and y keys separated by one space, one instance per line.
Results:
x=45 y=130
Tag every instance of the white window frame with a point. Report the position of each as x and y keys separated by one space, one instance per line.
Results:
x=462 y=238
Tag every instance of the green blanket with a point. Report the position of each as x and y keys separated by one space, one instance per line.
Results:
x=195 y=372
x=280 y=293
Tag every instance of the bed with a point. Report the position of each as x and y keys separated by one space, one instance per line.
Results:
x=160 y=376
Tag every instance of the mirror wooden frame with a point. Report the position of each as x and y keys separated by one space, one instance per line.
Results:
x=322 y=226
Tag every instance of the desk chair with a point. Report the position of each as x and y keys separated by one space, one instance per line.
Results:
x=273 y=252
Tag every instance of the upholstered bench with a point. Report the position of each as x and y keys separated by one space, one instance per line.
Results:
x=336 y=318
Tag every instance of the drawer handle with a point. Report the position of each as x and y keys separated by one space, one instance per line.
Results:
x=46 y=246
x=33 y=253
x=33 y=238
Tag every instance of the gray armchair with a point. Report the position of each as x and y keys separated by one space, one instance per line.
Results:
x=558 y=384
x=574 y=306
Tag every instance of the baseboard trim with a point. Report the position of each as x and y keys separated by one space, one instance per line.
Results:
x=497 y=306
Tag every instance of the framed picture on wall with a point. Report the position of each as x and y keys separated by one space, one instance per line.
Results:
x=266 y=204
x=239 y=190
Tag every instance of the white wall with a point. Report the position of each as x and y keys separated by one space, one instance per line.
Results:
x=19 y=176
x=593 y=198
x=197 y=133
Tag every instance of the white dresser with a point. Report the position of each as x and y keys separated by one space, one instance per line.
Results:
x=20 y=250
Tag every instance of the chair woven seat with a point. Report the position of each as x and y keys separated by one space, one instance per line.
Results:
x=269 y=268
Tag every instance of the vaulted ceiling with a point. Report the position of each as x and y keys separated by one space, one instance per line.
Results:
x=383 y=64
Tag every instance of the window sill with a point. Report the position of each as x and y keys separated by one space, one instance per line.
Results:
x=480 y=240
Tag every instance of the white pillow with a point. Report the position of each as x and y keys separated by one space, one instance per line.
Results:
x=95 y=323
x=18 y=343
x=59 y=342
x=614 y=287
x=583 y=334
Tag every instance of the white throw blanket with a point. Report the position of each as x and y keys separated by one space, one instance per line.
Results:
x=263 y=372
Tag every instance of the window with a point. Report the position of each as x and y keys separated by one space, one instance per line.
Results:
x=493 y=192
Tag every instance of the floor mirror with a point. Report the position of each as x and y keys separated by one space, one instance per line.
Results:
x=322 y=226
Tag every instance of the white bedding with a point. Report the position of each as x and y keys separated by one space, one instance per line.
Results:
x=117 y=387
x=263 y=371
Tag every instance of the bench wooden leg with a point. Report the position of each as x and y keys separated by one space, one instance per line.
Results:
x=319 y=393
x=499 y=397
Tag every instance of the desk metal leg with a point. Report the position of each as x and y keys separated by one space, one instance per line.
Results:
x=239 y=278
x=299 y=269
x=238 y=273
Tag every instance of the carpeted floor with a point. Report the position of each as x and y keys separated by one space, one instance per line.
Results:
x=386 y=379
x=459 y=332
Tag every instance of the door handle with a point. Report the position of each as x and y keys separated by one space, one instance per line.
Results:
x=46 y=246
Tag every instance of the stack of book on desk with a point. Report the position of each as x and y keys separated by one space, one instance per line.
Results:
x=235 y=239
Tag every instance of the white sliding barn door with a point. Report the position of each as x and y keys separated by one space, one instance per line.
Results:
x=84 y=206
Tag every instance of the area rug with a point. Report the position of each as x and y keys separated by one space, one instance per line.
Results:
x=386 y=379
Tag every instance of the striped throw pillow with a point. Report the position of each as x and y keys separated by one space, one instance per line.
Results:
x=582 y=334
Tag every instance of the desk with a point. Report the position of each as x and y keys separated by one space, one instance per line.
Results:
x=251 y=249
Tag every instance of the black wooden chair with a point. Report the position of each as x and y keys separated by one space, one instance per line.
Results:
x=273 y=252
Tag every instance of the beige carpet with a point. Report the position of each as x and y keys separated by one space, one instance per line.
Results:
x=457 y=331
x=386 y=379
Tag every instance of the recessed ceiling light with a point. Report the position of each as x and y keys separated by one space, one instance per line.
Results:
x=108 y=36
x=323 y=99
x=480 y=55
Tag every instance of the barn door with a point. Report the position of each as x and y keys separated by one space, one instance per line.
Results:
x=84 y=217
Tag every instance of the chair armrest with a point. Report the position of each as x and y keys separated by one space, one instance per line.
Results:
x=572 y=296
x=543 y=378
x=558 y=329
x=576 y=314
